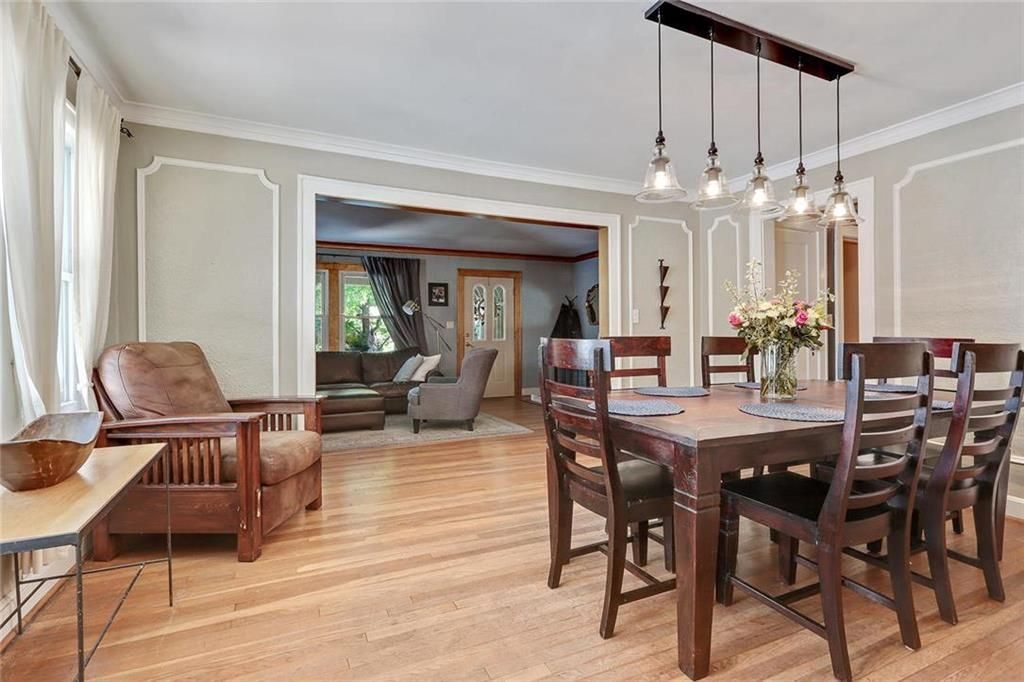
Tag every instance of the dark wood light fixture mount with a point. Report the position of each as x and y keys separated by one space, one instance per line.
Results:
x=700 y=22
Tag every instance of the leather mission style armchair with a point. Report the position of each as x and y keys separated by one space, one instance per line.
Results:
x=237 y=466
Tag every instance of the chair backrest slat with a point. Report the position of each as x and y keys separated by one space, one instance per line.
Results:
x=657 y=347
x=712 y=346
x=899 y=403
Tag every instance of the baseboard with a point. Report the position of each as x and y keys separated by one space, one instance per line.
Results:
x=1015 y=507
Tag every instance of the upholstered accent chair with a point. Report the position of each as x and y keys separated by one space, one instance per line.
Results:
x=231 y=466
x=457 y=400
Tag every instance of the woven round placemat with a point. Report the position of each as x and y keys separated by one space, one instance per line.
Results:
x=890 y=388
x=756 y=386
x=793 y=412
x=673 y=391
x=942 y=405
x=641 y=408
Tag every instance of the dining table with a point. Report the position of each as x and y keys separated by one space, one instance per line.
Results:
x=709 y=439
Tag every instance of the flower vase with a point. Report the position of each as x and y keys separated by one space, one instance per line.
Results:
x=778 y=373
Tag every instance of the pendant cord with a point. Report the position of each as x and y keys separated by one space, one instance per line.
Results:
x=800 y=114
x=759 y=158
x=660 y=133
x=711 y=38
x=839 y=172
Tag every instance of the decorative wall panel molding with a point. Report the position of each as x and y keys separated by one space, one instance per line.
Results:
x=269 y=300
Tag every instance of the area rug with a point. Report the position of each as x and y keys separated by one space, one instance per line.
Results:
x=398 y=433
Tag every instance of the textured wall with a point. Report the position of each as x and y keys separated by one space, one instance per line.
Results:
x=207 y=270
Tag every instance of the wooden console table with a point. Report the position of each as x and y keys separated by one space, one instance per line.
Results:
x=64 y=515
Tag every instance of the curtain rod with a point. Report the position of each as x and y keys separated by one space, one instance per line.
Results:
x=77 y=70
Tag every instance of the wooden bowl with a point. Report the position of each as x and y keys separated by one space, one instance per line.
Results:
x=48 y=450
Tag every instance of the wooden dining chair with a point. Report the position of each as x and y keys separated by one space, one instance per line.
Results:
x=623 y=491
x=657 y=347
x=942 y=348
x=834 y=514
x=711 y=346
x=968 y=475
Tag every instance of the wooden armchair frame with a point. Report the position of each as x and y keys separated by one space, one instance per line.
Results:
x=201 y=500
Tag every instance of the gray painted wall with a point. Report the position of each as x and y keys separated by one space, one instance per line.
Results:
x=544 y=286
x=283 y=165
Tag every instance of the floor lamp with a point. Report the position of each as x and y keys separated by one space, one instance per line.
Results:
x=411 y=307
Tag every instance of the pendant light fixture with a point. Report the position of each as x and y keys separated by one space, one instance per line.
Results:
x=660 y=183
x=839 y=209
x=713 y=187
x=801 y=207
x=759 y=196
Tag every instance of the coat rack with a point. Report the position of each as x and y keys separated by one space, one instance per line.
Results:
x=663 y=289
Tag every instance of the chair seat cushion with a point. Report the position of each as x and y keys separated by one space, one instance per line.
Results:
x=791 y=493
x=642 y=480
x=282 y=455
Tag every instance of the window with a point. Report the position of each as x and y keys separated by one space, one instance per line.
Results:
x=363 y=325
x=479 y=313
x=67 y=349
x=499 y=313
x=320 y=296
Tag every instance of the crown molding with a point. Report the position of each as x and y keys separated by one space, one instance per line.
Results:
x=955 y=114
x=89 y=58
x=351 y=146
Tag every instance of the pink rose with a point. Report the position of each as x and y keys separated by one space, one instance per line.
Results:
x=735 y=319
x=801 y=318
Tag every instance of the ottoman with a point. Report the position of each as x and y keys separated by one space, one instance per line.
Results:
x=348 y=409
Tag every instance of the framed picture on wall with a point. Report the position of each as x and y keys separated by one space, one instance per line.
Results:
x=437 y=293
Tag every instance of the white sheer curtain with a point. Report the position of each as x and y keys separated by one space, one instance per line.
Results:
x=98 y=140
x=33 y=72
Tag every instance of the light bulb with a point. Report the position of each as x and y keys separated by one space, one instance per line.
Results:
x=839 y=210
x=661 y=179
x=759 y=196
x=800 y=204
x=714 y=187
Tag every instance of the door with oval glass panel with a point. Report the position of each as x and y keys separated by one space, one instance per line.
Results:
x=488 y=321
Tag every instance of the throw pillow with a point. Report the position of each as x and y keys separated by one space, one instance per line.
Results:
x=429 y=364
x=408 y=368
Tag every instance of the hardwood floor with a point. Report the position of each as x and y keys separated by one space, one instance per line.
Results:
x=430 y=563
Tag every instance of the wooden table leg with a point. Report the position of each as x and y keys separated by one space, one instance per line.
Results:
x=696 y=513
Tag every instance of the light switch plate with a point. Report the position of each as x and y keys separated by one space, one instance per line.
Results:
x=636 y=315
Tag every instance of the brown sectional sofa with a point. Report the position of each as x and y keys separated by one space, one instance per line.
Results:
x=340 y=375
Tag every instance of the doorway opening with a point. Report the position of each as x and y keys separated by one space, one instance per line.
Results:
x=548 y=253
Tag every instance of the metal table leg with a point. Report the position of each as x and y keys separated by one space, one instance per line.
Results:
x=17 y=588
x=167 y=486
x=81 y=614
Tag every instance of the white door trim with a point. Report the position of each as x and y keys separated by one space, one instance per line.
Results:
x=309 y=186
x=275 y=247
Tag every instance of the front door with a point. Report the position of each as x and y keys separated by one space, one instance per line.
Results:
x=487 y=309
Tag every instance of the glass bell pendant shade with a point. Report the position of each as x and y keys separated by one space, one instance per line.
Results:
x=801 y=207
x=840 y=209
x=713 y=187
x=760 y=194
x=660 y=183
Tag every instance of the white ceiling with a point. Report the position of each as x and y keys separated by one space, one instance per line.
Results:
x=563 y=86
x=338 y=221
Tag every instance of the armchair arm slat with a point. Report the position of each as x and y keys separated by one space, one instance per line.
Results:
x=278 y=411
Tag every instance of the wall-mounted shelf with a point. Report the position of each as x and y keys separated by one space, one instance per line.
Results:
x=663 y=290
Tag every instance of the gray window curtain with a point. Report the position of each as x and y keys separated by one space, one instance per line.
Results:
x=395 y=281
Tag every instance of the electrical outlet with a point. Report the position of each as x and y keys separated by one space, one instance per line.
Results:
x=636 y=315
